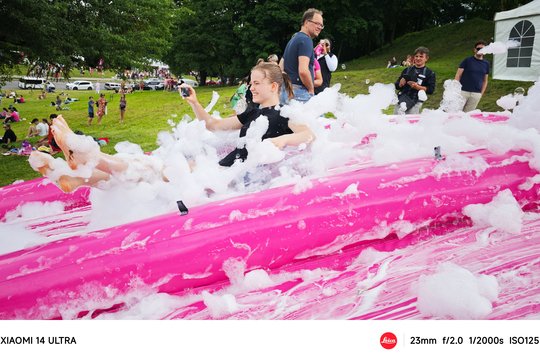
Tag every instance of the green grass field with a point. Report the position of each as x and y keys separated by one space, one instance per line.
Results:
x=147 y=112
x=146 y=115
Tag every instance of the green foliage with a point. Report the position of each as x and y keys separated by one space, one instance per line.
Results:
x=202 y=38
x=446 y=42
x=213 y=37
x=122 y=32
x=225 y=37
x=486 y=9
x=257 y=28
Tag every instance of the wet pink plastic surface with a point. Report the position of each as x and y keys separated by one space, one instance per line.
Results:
x=271 y=229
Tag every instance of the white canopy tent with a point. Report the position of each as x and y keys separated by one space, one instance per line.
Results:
x=521 y=24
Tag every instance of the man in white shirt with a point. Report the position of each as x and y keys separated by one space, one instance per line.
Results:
x=43 y=128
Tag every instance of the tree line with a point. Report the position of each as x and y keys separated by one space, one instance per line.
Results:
x=210 y=37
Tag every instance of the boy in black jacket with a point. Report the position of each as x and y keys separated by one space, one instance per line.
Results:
x=414 y=83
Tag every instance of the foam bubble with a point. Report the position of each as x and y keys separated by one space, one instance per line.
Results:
x=17 y=237
x=455 y=292
x=503 y=213
x=220 y=305
x=498 y=47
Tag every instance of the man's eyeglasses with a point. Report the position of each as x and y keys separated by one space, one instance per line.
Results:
x=316 y=23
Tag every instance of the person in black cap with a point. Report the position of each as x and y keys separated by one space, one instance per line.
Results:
x=9 y=136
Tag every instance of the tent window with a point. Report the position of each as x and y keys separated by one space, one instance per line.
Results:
x=521 y=56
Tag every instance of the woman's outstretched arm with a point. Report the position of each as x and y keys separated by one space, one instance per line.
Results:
x=212 y=124
x=302 y=134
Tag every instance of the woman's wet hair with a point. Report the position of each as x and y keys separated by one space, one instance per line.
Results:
x=273 y=72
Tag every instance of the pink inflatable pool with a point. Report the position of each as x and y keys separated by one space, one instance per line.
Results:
x=274 y=229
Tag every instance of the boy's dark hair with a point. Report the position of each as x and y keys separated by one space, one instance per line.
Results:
x=44 y=120
x=480 y=42
x=309 y=14
x=421 y=50
x=35 y=120
x=53 y=116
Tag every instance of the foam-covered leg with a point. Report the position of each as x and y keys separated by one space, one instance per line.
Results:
x=41 y=162
x=71 y=183
x=77 y=149
x=109 y=164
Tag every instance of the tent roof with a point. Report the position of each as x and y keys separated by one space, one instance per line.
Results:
x=532 y=8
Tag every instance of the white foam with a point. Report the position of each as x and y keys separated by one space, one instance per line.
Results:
x=16 y=237
x=302 y=185
x=220 y=305
x=144 y=306
x=34 y=209
x=461 y=163
x=498 y=47
x=507 y=102
x=526 y=114
x=257 y=279
x=502 y=213
x=234 y=269
x=452 y=100
x=454 y=292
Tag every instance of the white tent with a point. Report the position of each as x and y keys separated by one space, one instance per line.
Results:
x=521 y=24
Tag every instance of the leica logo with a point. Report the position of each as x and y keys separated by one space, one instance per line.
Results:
x=388 y=340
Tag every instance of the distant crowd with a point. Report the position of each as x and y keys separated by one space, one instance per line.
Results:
x=304 y=70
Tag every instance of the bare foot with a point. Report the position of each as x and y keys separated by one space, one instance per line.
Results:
x=41 y=162
x=61 y=130
x=68 y=183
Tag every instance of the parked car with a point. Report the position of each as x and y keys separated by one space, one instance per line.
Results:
x=27 y=82
x=154 y=84
x=80 y=85
x=112 y=86
x=50 y=87
x=190 y=82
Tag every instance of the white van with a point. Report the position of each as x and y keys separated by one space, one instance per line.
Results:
x=27 y=82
